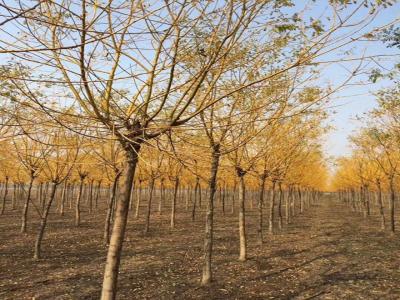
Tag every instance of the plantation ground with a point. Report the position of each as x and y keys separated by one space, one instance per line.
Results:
x=326 y=253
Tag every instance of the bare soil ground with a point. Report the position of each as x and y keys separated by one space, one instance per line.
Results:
x=328 y=252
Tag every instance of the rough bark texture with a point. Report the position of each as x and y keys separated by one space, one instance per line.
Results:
x=109 y=289
x=43 y=222
x=106 y=234
x=208 y=237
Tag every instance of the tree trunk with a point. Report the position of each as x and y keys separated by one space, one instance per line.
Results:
x=272 y=209
x=287 y=208
x=209 y=226
x=233 y=198
x=106 y=234
x=3 y=207
x=196 y=189
x=14 y=197
x=260 y=208
x=90 y=196
x=63 y=197
x=380 y=203
x=188 y=197
x=392 y=199
x=43 y=222
x=139 y=197
x=26 y=206
x=223 y=200
x=109 y=289
x=96 y=198
x=242 y=221
x=78 y=204
x=280 y=205
x=300 y=200
x=162 y=195
x=148 y=213
x=173 y=204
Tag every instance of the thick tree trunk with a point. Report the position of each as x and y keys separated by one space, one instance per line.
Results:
x=43 y=222
x=107 y=225
x=148 y=213
x=209 y=226
x=3 y=207
x=78 y=204
x=242 y=221
x=109 y=289
x=26 y=206
x=173 y=204
x=272 y=209
x=260 y=209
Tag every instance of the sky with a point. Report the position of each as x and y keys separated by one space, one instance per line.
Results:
x=353 y=101
x=356 y=100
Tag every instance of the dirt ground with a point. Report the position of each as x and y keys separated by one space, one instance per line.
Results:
x=326 y=253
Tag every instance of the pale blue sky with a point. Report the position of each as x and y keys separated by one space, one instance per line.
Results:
x=354 y=100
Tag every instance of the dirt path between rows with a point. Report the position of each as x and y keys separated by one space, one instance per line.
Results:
x=328 y=252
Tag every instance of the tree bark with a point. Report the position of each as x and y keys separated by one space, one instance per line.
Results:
x=3 y=207
x=209 y=226
x=162 y=196
x=173 y=204
x=109 y=289
x=242 y=221
x=43 y=222
x=26 y=206
x=380 y=203
x=14 y=197
x=260 y=208
x=196 y=189
x=107 y=225
x=78 y=203
x=272 y=209
x=392 y=199
x=280 y=205
x=139 y=196
x=148 y=213
x=63 y=197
